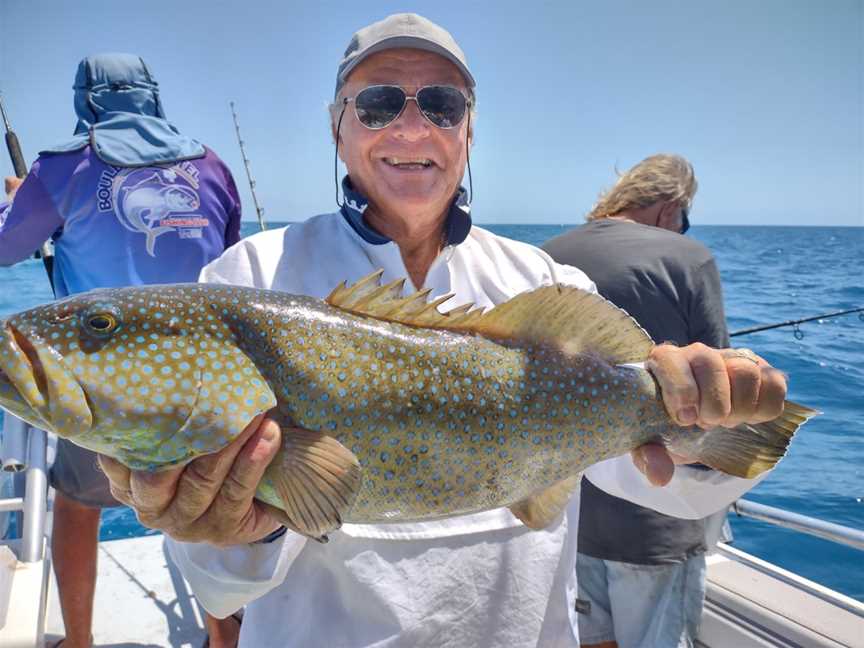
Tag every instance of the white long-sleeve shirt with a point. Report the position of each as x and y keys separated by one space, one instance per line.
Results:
x=476 y=581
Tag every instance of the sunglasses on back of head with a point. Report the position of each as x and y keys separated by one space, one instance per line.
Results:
x=378 y=106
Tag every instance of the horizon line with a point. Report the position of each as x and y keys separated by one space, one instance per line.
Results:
x=249 y=220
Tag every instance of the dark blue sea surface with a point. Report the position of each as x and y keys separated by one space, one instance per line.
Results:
x=770 y=274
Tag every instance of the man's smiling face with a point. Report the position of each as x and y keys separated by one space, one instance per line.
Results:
x=411 y=164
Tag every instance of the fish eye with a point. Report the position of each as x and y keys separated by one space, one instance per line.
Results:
x=100 y=324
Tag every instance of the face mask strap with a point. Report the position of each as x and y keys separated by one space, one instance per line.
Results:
x=336 y=153
x=468 y=156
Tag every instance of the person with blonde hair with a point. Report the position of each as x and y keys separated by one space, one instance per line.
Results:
x=660 y=189
x=640 y=573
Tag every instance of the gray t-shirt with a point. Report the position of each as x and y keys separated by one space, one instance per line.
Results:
x=669 y=283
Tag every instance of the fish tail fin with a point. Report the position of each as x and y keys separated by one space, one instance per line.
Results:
x=317 y=480
x=151 y=238
x=746 y=450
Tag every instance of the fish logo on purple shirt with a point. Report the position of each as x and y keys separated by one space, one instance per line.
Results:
x=154 y=201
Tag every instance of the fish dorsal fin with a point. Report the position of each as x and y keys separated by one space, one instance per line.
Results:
x=571 y=319
x=368 y=297
x=566 y=317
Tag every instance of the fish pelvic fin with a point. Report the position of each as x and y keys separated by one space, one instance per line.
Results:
x=572 y=319
x=540 y=510
x=317 y=480
x=747 y=450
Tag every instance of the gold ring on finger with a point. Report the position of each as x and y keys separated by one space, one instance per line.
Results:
x=746 y=354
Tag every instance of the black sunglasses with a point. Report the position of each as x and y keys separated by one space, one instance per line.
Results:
x=685 y=221
x=379 y=105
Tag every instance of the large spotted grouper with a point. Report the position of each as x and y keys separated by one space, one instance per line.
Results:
x=410 y=414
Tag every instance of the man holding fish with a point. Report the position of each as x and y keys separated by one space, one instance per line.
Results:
x=428 y=445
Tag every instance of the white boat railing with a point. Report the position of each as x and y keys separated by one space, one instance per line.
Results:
x=25 y=581
x=13 y=454
x=802 y=523
x=26 y=449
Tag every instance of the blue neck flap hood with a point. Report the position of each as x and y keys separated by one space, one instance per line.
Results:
x=457 y=227
x=121 y=117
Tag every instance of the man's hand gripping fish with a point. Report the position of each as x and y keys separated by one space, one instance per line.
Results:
x=411 y=414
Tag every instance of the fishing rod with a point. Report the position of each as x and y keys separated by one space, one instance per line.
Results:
x=20 y=168
x=18 y=447
x=797 y=332
x=258 y=208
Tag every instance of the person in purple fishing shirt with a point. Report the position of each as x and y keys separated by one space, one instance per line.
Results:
x=128 y=200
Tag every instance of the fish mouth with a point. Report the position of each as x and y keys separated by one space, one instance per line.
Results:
x=13 y=402
x=36 y=386
x=29 y=352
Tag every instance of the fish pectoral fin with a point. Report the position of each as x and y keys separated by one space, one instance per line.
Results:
x=317 y=479
x=746 y=450
x=540 y=510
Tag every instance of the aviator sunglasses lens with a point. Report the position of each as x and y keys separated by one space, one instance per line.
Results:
x=377 y=106
x=442 y=105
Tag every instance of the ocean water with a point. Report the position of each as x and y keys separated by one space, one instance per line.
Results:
x=770 y=274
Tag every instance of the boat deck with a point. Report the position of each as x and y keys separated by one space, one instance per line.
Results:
x=141 y=600
x=750 y=603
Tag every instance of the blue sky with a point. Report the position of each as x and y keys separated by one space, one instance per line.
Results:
x=765 y=98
